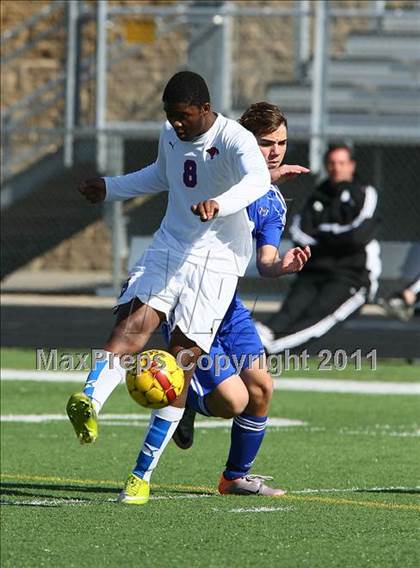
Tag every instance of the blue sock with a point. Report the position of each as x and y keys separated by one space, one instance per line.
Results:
x=93 y=377
x=197 y=401
x=247 y=435
x=162 y=425
x=103 y=379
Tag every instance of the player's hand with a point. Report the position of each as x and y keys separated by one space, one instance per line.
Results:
x=93 y=189
x=286 y=172
x=294 y=260
x=206 y=210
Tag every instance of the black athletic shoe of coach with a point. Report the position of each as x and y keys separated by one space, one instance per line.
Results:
x=184 y=434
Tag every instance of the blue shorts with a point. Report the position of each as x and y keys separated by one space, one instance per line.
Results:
x=236 y=345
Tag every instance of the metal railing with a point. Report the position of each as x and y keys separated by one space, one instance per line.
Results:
x=64 y=89
x=18 y=153
x=24 y=117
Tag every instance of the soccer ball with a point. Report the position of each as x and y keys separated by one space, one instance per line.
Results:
x=155 y=380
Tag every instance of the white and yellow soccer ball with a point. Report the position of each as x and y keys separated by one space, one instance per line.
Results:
x=155 y=380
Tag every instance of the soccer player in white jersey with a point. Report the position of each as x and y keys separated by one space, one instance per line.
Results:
x=243 y=393
x=213 y=169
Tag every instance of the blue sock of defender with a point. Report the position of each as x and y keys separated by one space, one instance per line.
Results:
x=162 y=425
x=246 y=438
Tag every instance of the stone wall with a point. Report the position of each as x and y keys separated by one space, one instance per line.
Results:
x=37 y=65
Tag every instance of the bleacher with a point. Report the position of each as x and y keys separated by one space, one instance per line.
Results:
x=374 y=84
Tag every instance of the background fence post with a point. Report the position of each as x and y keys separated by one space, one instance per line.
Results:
x=302 y=38
x=319 y=104
x=114 y=216
x=209 y=52
x=71 y=64
x=109 y=150
x=101 y=85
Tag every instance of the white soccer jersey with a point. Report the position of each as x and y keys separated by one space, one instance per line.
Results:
x=224 y=164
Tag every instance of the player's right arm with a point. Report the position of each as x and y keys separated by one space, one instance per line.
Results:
x=255 y=177
x=271 y=265
x=148 y=180
x=269 y=262
x=269 y=217
x=254 y=180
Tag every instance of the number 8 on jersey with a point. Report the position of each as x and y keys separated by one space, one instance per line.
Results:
x=190 y=173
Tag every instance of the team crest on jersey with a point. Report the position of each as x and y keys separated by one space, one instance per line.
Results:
x=172 y=144
x=213 y=151
x=263 y=211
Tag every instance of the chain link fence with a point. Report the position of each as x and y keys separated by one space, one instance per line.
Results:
x=370 y=97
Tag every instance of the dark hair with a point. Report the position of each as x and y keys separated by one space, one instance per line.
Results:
x=262 y=118
x=186 y=87
x=338 y=146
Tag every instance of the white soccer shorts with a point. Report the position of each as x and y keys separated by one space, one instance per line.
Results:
x=193 y=298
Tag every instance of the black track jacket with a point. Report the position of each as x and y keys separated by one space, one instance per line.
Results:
x=339 y=223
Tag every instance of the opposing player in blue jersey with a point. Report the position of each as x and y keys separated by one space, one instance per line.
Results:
x=237 y=383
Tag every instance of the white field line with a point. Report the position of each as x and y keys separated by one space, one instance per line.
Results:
x=48 y=300
x=86 y=301
x=377 y=430
x=352 y=490
x=296 y=384
x=141 y=420
x=185 y=496
x=137 y=419
x=43 y=376
x=343 y=386
x=213 y=423
x=380 y=430
x=56 y=502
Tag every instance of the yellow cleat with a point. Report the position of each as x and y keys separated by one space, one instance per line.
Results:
x=136 y=491
x=83 y=417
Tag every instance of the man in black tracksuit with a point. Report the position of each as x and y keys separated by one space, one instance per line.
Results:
x=338 y=222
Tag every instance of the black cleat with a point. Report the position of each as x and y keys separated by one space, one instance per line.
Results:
x=184 y=434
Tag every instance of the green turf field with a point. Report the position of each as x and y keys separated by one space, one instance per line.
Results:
x=351 y=469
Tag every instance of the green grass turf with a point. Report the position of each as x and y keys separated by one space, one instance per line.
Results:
x=59 y=507
x=387 y=369
x=25 y=358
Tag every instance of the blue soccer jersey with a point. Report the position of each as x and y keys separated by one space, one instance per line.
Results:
x=237 y=342
x=268 y=214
